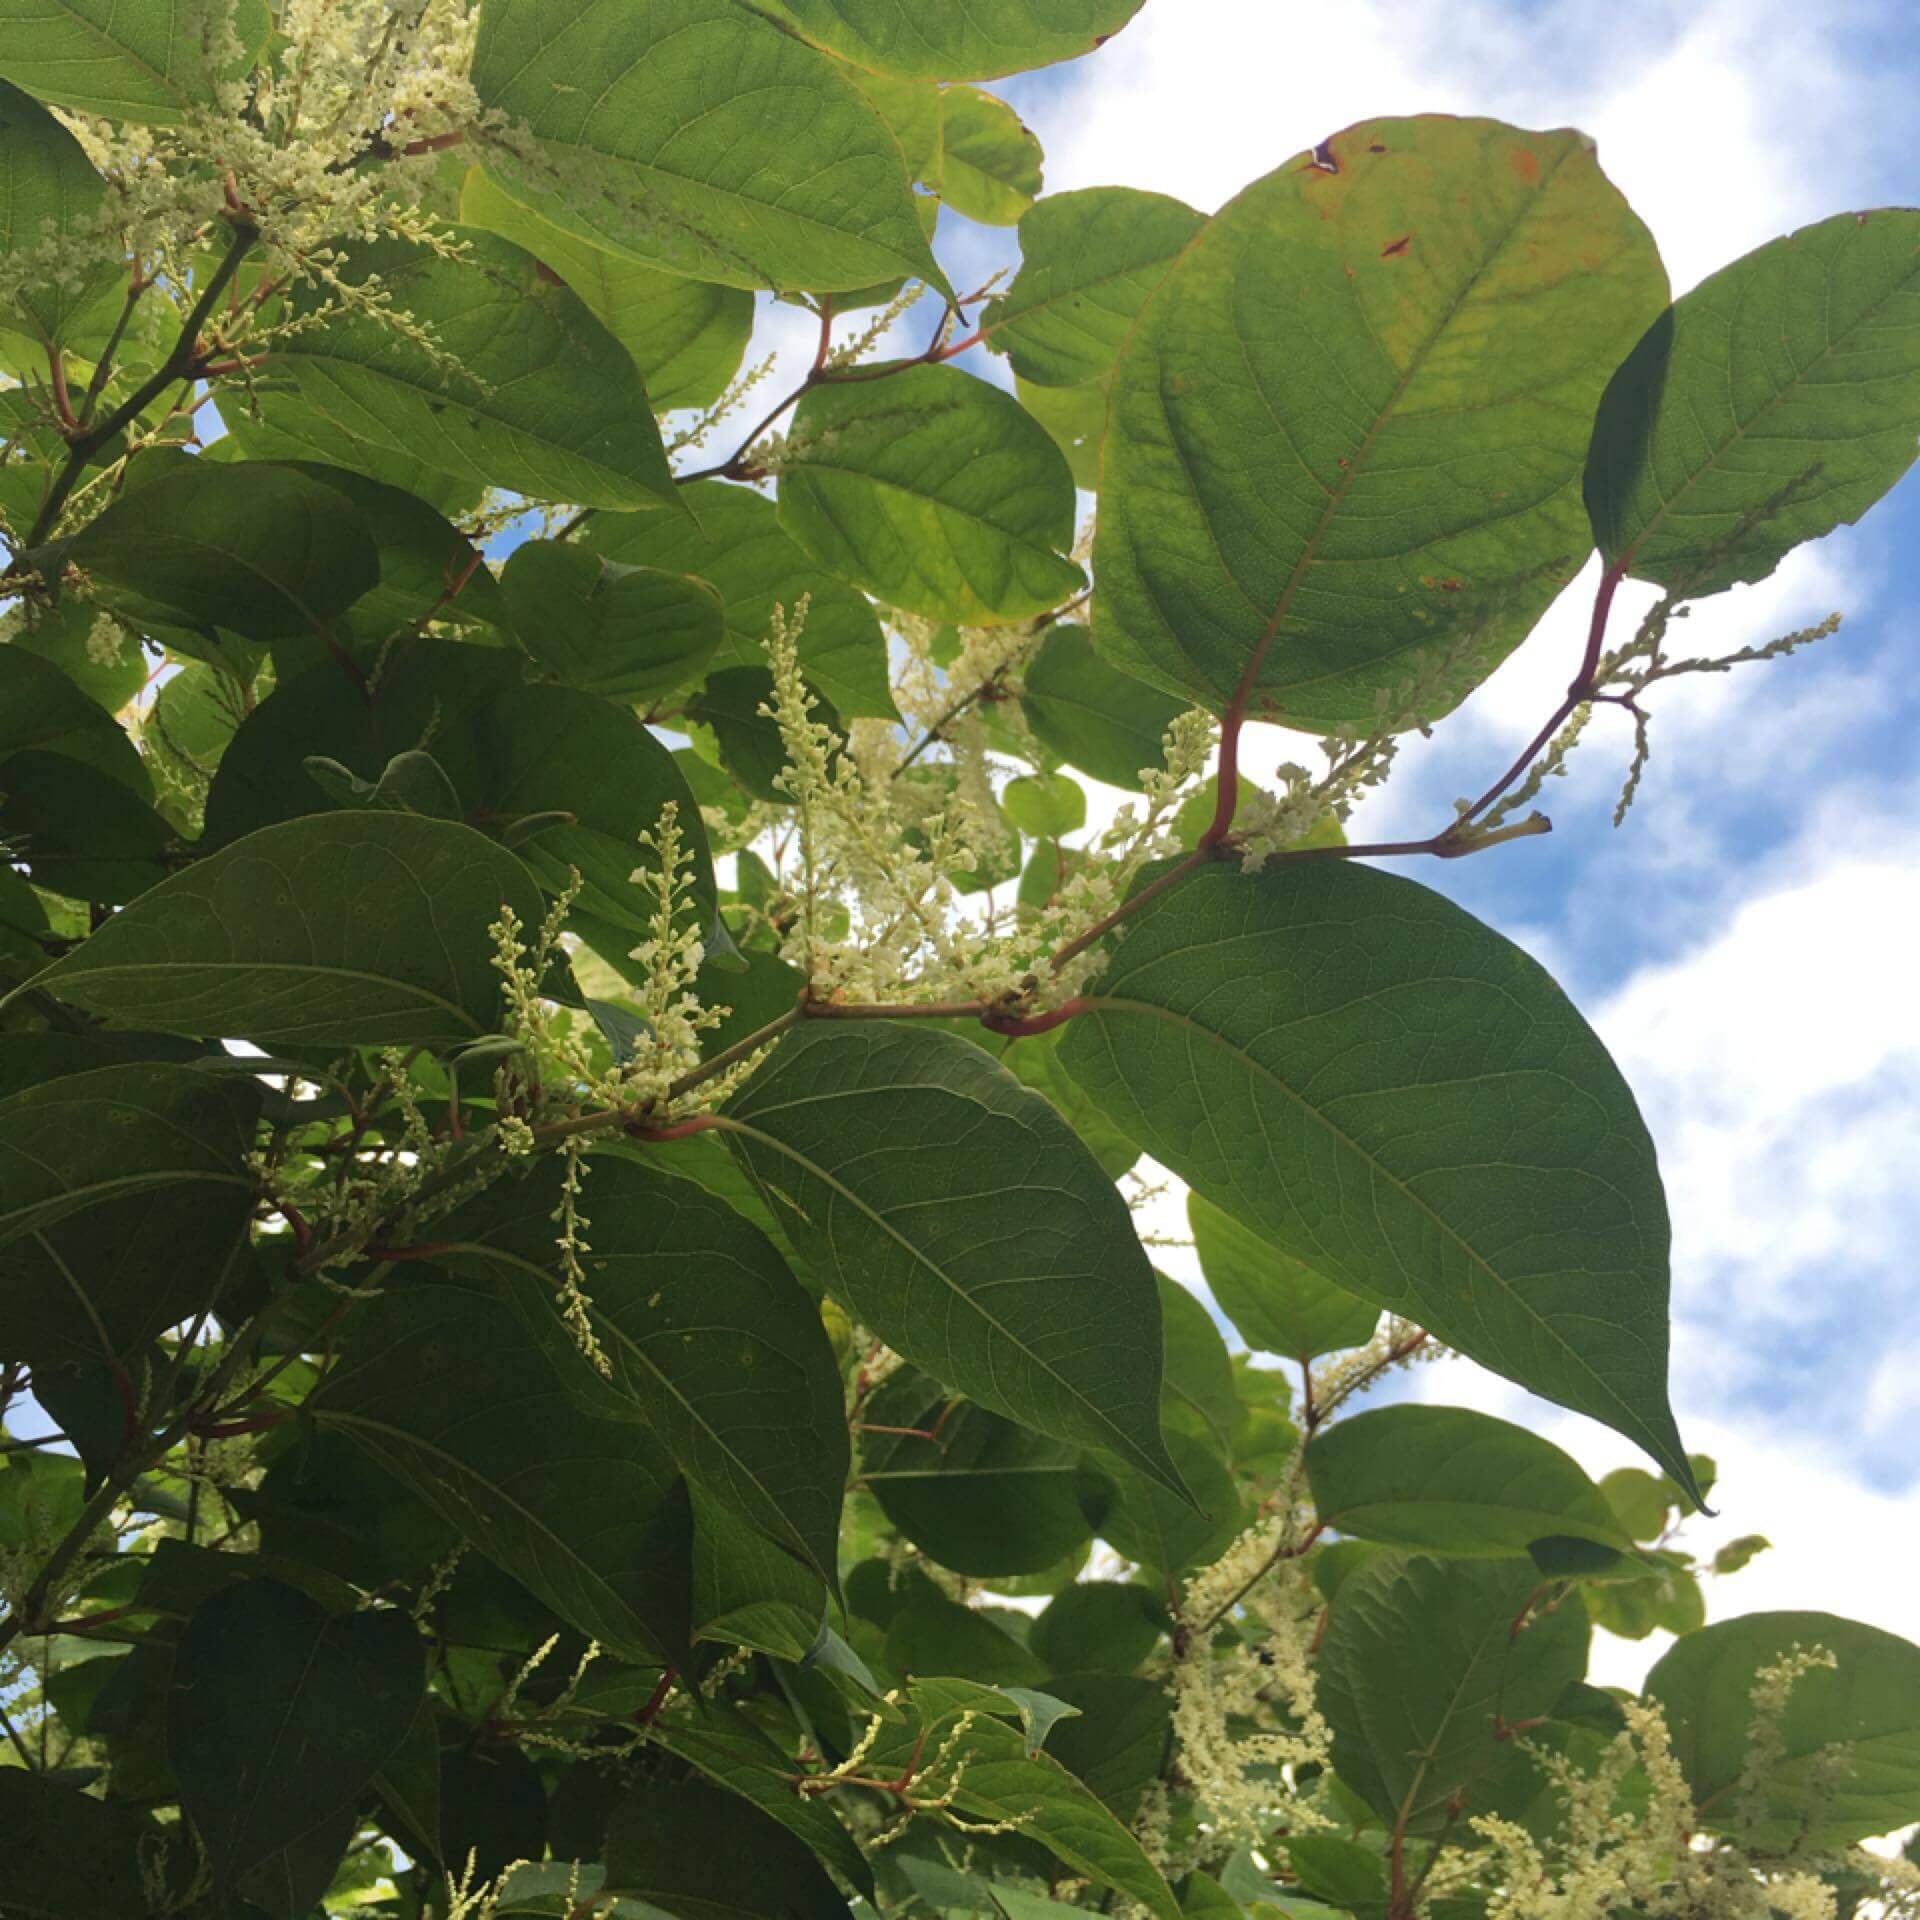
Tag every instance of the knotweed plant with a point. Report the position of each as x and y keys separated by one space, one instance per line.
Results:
x=606 y=936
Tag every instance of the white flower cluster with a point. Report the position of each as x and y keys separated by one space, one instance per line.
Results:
x=1243 y=1689
x=1618 y=1851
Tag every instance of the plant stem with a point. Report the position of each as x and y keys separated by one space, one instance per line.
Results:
x=178 y=365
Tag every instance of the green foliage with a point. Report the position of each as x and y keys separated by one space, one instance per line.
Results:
x=579 y=1030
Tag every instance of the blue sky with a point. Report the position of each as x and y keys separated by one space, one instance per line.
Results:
x=1748 y=944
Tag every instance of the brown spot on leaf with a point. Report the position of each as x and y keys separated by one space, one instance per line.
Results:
x=1525 y=162
x=1394 y=248
x=1323 y=160
x=1376 y=148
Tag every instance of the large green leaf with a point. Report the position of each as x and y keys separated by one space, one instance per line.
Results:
x=262 y=550
x=1422 y=1674
x=41 y=710
x=733 y=1753
x=422 y=701
x=1403 y=1100
x=1448 y=1480
x=542 y=749
x=708 y=1334
x=49 y=192
x=1099 y=1626
x=686 y=337
x=352 y=929
x=974 y=42
x=1091 y=714
x=1347 y=430
x=700 y=1853
x=81 y=832
x=151 y=63
x=989 y=161
x=1277 y=1303
x=1776 y=401
x=982 y=1496
x=281 y=1712
x=1197 y=1392
x=732 y=538
x=1848 y=1760
x=428 y=567
x=628 y=633
x=71 y=1144
x=696 y=136
x=878 y=1146
x=1088 y=261
x=934 y=492
x=519 y=387
x=442 y=1385
x=69 y=1855
x=1148 y=1525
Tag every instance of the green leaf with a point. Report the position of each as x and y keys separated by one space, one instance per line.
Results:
x=1776 y=401
x=521 y=386
x=354 y=929
x=1866 y=1708
x=440 y=1387
x=1046 y=805
x=915 y=42
x=280 y=1712
x=736 y=706
x=983 y=1496
x=1465 y=289
x=1448 y=1480
x=1421 y=1672
x=69 y=1855
x=698 y=137
x=1640 y=1502
x=42 y=710
x=1076 y=422
x=1277 y=1304
x=81 y=832
x=703 y=1854
x=934 y=492
x=1389 y=1090
x=711 y=1340
x=1034 y=1060
x=545 y=748
x=61 y=635
x=629 y=633
x=49 y=195
x=1146 y=1523
x=934 y=1635
x=428 y=568
x=1088 y=261
x=151 y=64
x=876 y=1146
x=989 y=164
x=1040 y=1713
x=734 y=1754
x=1741 y=1553
x=1092 y=715
x=291 y=1883
x=746 y=1592
x=425 y=693
x=1120 y=1736
x=72 y=1144
x=1099 y=1625
x=685 y=337
x=408 y=1783
x=1197 y=1390
x=262 y=550
x=107 y=1280
x=731 y=537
